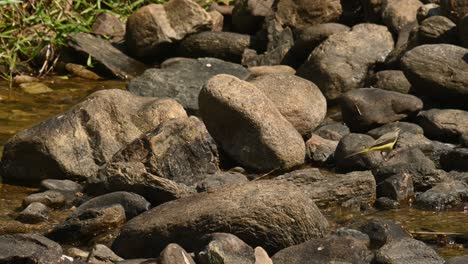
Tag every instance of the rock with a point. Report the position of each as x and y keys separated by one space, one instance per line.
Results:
x=297 y=99
x=298 y=13
x=29 y=248
x=351 y=144
x=65 y=186
x=384 y=203
x=35 y=88
x=438 y=70
x=454 y=9
x=426 y=11
x=153 y=27
x=405 y=128
x=398 y=187
x=347 y=232
x=273 y=69
x=33 y=213
x=108 y=25
x=174 y=254
x=104 y=52
x=180 y=150
x=132 y=203
x=445 y=195
x=77 y=253
x=218 y=21
x=276 y=214
x=222 y=45
x=49 y=198
x=367 y=108
x=392 y=80
x=396 y=17
x=320 y=150
x=139 y=261
x=75 y=144
x=382 y=231
x=457 y=260
x=261 y=256
x=333 y=131
x=19 y=79
x=260 y=137
x=100 y=254
x=220 y=179
x=332 y=249
x=342 y=61
x=437 y=29
x=248 y=15
x=407 y=250
x=80 y=228
x=182 y=79
x=308 y=38
x=328 y=190
x=463 y=31
x=372 y=10
x=226 y=248
x=81 y=71
x=447 y=125
x=455 y=160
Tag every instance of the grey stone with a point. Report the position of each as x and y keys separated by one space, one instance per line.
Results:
x=408 y=250
x=398 y=187
x=382 y=231
x=385 y=203
x=445 y=195
x=298 y=14
x=405 y=128
x=447 y=125
x=226 y=248
x=33 y=213
x=108 y=25
x=61 y=185
x=396 y=17
x=352 y=143
x=334 y=131
x=392 y=80
x=220 y=179
x=48 y=198
x=273 y=69
x=437 y=29
x=320 y=150
x=100 y=254
x=457 y=260
x=174 y=254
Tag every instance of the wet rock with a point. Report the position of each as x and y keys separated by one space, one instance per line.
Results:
x=174 y=254
x=297 y=99
x=248 y=15
x=180 y=150
x=328 y=190
x=132 y=203
x=222 y=45
x=49 y=198
x=333 y=131
x=407 y=250
x=80 y=228
x=455 y=160
x=298 y=14
x=392 y=80
x=398 y=187
x=260 y=207
x=437 y=29
x=351 y=144
x=445 y=195
x=367 y=108
x=108 y=25
x=33 y=213
x=75 y=144
x=65 y=186
x=463 y=31
x=454 y=9
x=438 y=70
x=100 y=254
x=447 y=125
x=19 y=79
x=320 y=150
x=34 y=88
x=384 y=203
x=81 y=71
x=332 y=249
x=153 y=27
x=260 y=137
x=342 y=61
x=396 y=17
x=261 y=256
x=457 y=260
x=226 y=248
x=428 y=10
x=382 y=231
x=182 y=79
x=29 y=248
x=220 y=179
x=273 y=69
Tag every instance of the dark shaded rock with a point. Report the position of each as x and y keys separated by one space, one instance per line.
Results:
x=445 y=195
x=297 y=99
x=385 y=203
x=49 y=198
x=437 y=29
x=405 y=127
x=75 y=144
x=398 y=187
x=320 y=150
x=302 y=13
x=273 y=69
x=447 y=125
x=220 y=179
x=392 y=80
x=457 y=260
x=373 y=10
x=351 y=144
x=222 y=45
x=438 y=70
x=407 y=250
x=366 y=108
x=463 y=31
x=108 y=25
x=100 y=254
x=328 y=190
x=66 y=186
x=382 y=231
x=30 y=249
x=428 y=10
x=272 y=214
x=225 y=248
x=455 y=159
x=174 y=254
x=248 y=126
x=182 y=79
x=102 y=50
x=454 y=9
x=80 y=228
x=152 y=28
x=332 y=249
x=248 y=15
x=132 y=203
x=342 y=61
x=396 y=17
x=333 y=131
x=33 y=213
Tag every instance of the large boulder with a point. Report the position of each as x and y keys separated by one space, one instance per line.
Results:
x=152 y=28
x=298 y=100
x=248 y=126
x=398 y=13
x=182 y=79
x=407 y=250
x=301 y=13
x=445 y=195
x=438 y=70
x=448 y=125
x=271 y=214
x=341 y=63
x=75 y=144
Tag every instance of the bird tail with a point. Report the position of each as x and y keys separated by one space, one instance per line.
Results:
x=356 y=153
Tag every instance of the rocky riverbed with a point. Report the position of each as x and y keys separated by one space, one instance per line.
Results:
x=290 y=133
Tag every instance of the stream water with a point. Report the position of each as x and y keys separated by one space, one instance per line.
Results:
x=19 y=111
